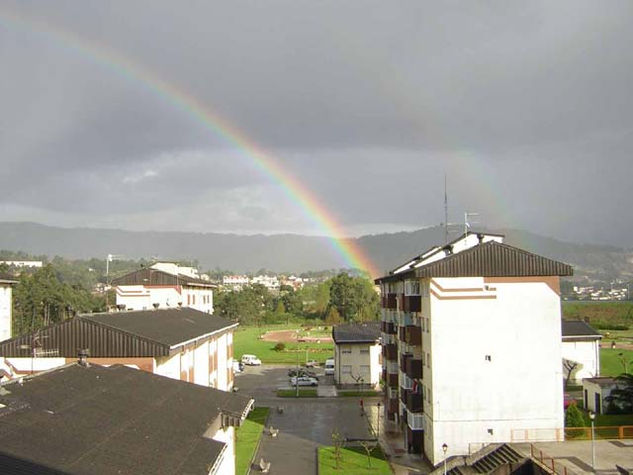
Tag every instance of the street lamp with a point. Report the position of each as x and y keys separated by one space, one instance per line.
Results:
x=444 y=449
x=592 y=416
x=378 y=421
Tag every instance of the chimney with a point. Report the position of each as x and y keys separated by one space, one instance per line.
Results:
x=480 y=237
x=83 y=357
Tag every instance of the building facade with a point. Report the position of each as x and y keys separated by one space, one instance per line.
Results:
x=357 y=355
x=180 y=343
x=472 y=347
x=164 y=285
x=6 y=307
x=580 y=350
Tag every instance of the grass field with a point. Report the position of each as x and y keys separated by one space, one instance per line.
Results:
x=611 y=361
x=353 y=460
x=246 y=340
x=247 y=437
x=602 y=314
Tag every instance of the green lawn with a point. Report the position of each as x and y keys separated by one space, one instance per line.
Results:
x=353 y=460
x=246 y=340
x=354 y=393
x=303 y=392
x=610 y=364
x=247 y=437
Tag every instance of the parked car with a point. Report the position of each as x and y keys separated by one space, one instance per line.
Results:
x=303 y=381
x=329 y=366
x=251 y=360
x=302 y=372
x=312 y=364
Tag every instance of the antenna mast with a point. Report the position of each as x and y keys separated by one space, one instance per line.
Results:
x=445 y=212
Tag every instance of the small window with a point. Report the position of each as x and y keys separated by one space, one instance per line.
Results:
x=346 y=351
x=364 y=371
x=346 y=369
x=488 y=358
x=364 y=351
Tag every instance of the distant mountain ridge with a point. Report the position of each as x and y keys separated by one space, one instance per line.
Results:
x=288 y=252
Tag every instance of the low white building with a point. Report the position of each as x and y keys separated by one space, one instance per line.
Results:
x=164 y=285
x=357 y=355
x=235 y=282
x=6 y=307
x=580 y=347
x=594 y=392
x=34 y=264
x=180 y=343
x=93 y=419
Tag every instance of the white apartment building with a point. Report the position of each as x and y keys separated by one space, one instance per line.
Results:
x=164 y=285
x=357 y=355
x=6 y=307
x=472 y=347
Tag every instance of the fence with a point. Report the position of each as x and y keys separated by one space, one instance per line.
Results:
x=548 y=462
x=571 y=433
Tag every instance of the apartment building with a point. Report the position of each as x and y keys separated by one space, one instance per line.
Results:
x=164 y=285
x=472 y=347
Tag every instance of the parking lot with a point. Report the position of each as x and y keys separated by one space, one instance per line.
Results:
x=304 y=423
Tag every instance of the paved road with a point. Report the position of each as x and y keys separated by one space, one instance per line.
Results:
x=305 y=423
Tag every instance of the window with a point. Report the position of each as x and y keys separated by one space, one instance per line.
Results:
x=346 y=369
x=428 y=360
x=412 y=287
x=364 y=351
x=365 y=372
x=346 y=351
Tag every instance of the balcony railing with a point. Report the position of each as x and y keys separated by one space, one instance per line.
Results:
x=414 y=402
x=412 y=303
x=390 y=351
x=413 y=335
x=403 y=395
x=414 y=368
x=403 y=361
x=388 y=327
x=415 y=421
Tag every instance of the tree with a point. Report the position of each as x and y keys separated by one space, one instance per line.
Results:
x=573 y=416
x=569 y=367
x=333 y=317
x=354 y=298
x=337 y=442
x=622 y=396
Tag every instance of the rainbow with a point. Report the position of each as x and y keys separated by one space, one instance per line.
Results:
x=133 y=71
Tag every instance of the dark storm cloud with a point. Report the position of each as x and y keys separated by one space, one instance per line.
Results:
x=525 y=106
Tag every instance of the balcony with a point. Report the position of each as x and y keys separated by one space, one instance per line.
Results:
x=392 y=406
x=414 y=401
x=388 y=328
x=392 y=380
x=389 y=301
x=402 y=334
x=412 y=303
x=413 y=335
x=414 y=368
x=390 y=351
x=403 y=361
x=415 y=421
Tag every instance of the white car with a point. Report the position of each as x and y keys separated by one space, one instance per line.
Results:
x=304 y=381
x=329 y=367
x=251 y=360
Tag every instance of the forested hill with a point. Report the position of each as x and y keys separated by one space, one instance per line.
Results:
x=286 y=252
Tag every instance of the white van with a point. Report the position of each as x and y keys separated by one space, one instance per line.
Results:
x=251 y=360
x=329 y=366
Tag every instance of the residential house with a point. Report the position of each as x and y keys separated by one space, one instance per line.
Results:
x=580 y=350
x=164 y=284
x=83 y=418
x=357 y=355
x=6 y=306
x=595 y=390
x=180 y=343
x=472 y=347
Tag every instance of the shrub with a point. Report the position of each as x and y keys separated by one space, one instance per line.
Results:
x=280 y=347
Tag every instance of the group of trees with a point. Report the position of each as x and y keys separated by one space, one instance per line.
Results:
x=341 y=298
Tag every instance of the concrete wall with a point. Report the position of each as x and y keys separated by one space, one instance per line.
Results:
x=495 y=362
x=5 y=312
x=140 y=297
x=352 y=361
x=587 y=353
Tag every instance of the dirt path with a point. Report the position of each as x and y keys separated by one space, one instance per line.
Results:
x=290 y=336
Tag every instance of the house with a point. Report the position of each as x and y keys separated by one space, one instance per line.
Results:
x=92 y=419
x=180 y=343
x=595 y=390
x=580 y=350
x=164 y=285
x=472 y=347
x=6 y=306
x=357 y=355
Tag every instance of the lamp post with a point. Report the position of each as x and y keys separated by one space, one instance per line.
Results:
x=592 y=416
x=444 y=449
x=378 y=421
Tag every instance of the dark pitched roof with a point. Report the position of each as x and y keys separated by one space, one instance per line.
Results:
x=367 y=332
x=111 y=420
x=149 y=276
x=578 y=328
x=490 y=259
x=170 y=326
x=146 y=333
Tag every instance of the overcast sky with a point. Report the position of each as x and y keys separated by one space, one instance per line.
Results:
x=527 y=107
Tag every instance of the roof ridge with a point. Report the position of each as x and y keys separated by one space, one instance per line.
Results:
x=86 y=318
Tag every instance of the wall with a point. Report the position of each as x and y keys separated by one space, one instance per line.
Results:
x=350 y=355
x=5 y=312
x=587 y=353
x=495 y=362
